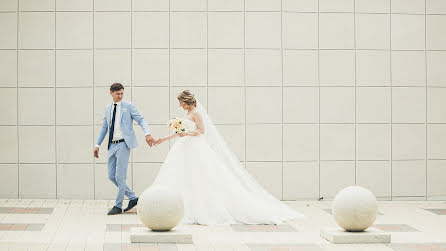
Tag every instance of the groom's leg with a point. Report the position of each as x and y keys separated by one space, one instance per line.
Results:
x=128 y=191
x=112 y=166
x=122 y=158
x=112 y=162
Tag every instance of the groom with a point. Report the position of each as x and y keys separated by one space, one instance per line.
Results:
x=118 y=121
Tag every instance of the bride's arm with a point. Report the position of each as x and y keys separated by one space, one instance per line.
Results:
x=200 y=130
x=200 y=125
x=161 y=140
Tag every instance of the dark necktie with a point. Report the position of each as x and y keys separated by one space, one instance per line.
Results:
x=112 y=127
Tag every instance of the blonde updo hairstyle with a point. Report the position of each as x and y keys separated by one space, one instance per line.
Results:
x=187 y=97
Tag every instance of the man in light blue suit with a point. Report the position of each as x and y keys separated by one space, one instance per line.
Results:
x=118 y=122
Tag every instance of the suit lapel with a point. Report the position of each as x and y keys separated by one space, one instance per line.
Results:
x=120 y=113
x=109 y=115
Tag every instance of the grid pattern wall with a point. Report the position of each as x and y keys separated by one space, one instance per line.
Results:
x=312 y=95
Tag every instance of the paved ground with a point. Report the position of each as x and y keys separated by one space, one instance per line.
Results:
x=84 y=225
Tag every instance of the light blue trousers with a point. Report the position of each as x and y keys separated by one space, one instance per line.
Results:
x=118 y=159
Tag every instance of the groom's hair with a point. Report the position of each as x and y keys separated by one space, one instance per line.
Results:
x=116 y=87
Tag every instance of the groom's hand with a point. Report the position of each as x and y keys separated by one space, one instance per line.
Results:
x=149 y=140
x=96 y=152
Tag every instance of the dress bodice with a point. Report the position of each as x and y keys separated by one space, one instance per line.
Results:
x=189 y=125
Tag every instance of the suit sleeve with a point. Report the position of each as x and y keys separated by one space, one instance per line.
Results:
x=103 y=131
x=139 y=119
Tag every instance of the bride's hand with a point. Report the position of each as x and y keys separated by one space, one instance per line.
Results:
x=182 y=134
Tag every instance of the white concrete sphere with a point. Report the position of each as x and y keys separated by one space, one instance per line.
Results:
x=354 y=208
x=160 y=208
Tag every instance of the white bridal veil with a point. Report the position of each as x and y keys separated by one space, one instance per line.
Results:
x=253 y=194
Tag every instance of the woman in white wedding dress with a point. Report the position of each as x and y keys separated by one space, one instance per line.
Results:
x=216 y=188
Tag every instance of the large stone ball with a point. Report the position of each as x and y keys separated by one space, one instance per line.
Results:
x=160 y=208
x=354 y=208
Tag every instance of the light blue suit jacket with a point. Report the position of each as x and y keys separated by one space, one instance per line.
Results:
x=128 y=114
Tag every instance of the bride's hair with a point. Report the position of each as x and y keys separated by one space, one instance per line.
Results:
x=187 y=97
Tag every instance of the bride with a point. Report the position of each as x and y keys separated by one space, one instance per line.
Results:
x=216 y=188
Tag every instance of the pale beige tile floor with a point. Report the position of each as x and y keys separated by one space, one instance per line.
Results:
x=84 y=225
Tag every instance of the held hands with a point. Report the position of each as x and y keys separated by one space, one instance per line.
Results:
x=150 y=141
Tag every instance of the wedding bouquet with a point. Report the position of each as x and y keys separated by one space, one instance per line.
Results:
x=176 y=125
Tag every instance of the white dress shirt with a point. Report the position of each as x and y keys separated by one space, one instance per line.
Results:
x=117 y=133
